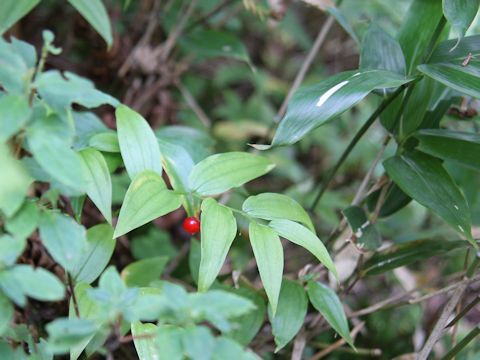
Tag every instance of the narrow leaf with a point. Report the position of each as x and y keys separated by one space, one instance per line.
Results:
x=138 y=144
x=313 y=106
x=268 y=252
x=328 y=304
x=291 y=311
x=300 y=235
x=147 y=198
x=95 y=13
x=100 y=246
x=424 y=179
x=218 y=231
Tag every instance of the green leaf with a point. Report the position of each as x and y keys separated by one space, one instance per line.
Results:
x=272 y=206
x=38 y=283
x=61 y=90
x=198 y=342
x=146 y=343
x=313 y=106
x=343 y=22
x=24 y=221
x=105 y=141
x=95 y=13
x=268 y=252
x=460 y=13
x=177 y=163
x=226 y=348
x=65 y=333
x=381 y=51
x=14 y=113
x=408 y=253
x=138 y=144
x=100 y=246
x=465 y=79
x=63 y=238
x=13 y=10
x=53 y=153
x=99 y=183
x=194 y=258
x=147 y=198
x=10 y=249
x=460 y=147
x=212 y=43
x=417 y=29
x=221 y=172
x=291 y=311
x=14 y=182
x=366 y=234
x=14 y=69
x=395 y=199
x=6 y=315
x=218 y=230
x=424 y=179
x=328 y=304
x=248 y=325
x=143 y=272
x=300 y=235
x=448 y=50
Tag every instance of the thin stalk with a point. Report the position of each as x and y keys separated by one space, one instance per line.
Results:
x=384 y=104
x=463 y=312
x=465 y=341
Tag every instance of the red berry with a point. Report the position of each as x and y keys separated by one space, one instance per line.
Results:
x=191 y=225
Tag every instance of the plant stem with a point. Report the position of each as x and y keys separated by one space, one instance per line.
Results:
x=455 y=350
x=383 y=105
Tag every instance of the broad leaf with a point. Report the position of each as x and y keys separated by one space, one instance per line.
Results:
x=14 y=113
x=63 y=238
x=328 y=304
x=24 y=221
x=147 y=198
x=381 y=51
x=217 y=233
x=95 y=13
x=446 y=52
x=226 y=348
x=248 y=325
x=313 y=106
x=145 y=340
x=13 y=10
x=14 y=182
x=460 y=147
x=424 y=179
x=38 y=283
x=460 y=13
x=61 y=90
x=366 y=234
x=222 y=172
x=291 y=311
x=300 y=235
x=99 y=184
x=268 y=252
x=100 y=246
x=52 y=151
x=105 y=141
x=10 y=249
x=271 y=206
x=6 y=315
x=64 y=333
x=395 y=199
x=138 y=144
x=198 y=342
x=141 y=273
x=408 y=253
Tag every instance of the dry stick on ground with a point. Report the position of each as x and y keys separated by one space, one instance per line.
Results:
x=338 y=343
x=192 y=103
x=152 y=24
x=439 y=327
